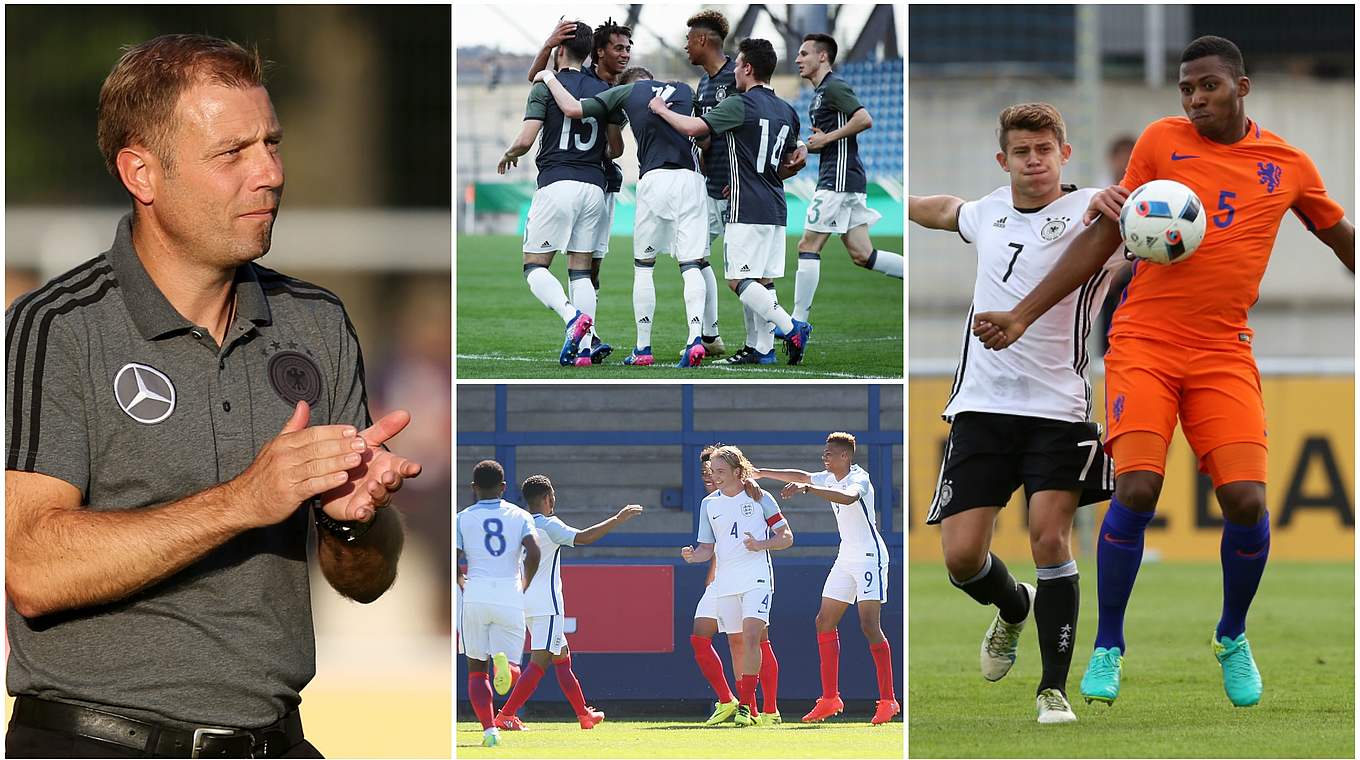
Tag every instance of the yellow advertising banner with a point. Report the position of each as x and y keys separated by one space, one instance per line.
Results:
x=1309 y=494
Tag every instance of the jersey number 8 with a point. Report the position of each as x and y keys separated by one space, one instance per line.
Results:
x=495 y=529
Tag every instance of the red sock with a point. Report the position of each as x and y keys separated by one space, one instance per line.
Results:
x=570 y=686
x=514 y=674
x=746 y=692
x=883 y=664
x=829 y=649
x=769 y=677
x=479 y=692
x=711 y=667
x=528 y=681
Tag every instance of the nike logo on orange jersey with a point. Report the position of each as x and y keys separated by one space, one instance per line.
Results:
x=1178 y=157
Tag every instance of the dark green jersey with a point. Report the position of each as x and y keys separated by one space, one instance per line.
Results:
x=758 y=130
x=568 y=149
x=833 y=103
x=713 y=90
x=658 y=145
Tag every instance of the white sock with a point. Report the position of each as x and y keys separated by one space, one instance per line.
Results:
x=748 y=318
x=805 y=284
x=695 y=297
x=583 y=295
x=710 y=300
x=644 y=301
x=766 y=334
x=762 y=303
x=549 y=292
x=886 y=262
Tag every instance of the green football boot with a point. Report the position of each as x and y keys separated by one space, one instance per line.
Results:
x=743 y=717
x=1241 y=679
x=500 y=673
x=491 y=737
x=1101 y=682
x=722 y=712
x=769 y=719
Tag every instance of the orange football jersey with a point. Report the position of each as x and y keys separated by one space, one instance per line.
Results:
x=1246 y=188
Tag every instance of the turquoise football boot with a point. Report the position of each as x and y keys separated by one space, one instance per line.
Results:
x=1101 y=682
x=1241 y=679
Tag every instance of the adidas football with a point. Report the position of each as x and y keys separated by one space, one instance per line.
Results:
x=1162 y=222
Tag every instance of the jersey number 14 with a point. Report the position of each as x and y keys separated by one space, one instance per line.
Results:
x=765 y=149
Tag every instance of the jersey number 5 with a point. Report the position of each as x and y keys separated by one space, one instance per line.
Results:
x=495 y=529
x=765 y=149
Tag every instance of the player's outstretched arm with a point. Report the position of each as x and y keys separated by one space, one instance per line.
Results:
x=564 y=31
x=690 y=126
x=830 y=494
x=60 y=554
x=1340 y=237
x=1082 y=259
x=599 y=530
x=936 y=212
x=528 y=134
x=570 y=106
x=785 y=476
x=531 y=557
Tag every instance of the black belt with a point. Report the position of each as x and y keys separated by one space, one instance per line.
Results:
x=158 y=740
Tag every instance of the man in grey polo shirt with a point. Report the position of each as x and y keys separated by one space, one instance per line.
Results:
x=177 y=418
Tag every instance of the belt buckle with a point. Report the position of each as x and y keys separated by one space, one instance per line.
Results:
x=201 y=733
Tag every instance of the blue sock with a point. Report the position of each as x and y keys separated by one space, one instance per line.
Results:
x=1243 y=551
x=1119 y=552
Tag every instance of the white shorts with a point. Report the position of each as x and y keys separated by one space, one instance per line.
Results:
x=490 y=628
x=717 y=217
x=564 y=216
x=734 y=608
x=838 y=213
x=753 y=251
x=708 y=608
x=852 y=582
x=606 y=227
x=547 y=632
x=671 y=211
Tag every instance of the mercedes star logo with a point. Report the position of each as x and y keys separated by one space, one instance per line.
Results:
x=144 y=393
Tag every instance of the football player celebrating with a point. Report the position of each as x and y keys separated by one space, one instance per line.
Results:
x=838 y=206
x=1180 y=347
x=744 y=577
x=859 y=576
x=1019 y=418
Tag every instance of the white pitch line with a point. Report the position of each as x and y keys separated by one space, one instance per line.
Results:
x=776 y=370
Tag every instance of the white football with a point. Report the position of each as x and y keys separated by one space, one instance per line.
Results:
x=1162 y=221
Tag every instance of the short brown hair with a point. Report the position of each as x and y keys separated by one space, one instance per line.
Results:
x=137 y=101
x=1034 y=117
x=710 y=20
x=632 y=74
x=843 y=440
x=534 y=488
x=707 y=453
x=488 y=474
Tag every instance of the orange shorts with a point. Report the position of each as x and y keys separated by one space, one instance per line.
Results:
x=1215 y=394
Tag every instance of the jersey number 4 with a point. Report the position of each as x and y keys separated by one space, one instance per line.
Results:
x=765 y=149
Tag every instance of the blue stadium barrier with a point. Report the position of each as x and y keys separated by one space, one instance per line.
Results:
x=608 y=678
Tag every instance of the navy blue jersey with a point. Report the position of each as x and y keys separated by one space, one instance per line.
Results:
x=713 y=90
x=759 y=130
x=613 y=173
x=658 y=145
x=568 y=149
x=833 y=103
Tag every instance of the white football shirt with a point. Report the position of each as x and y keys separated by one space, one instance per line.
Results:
x=857 y=522
x=544 y=595
x=724 y=523
x=1044 y=373
x=490 y=533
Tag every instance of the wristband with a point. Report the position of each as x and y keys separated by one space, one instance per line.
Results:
x=347 y=532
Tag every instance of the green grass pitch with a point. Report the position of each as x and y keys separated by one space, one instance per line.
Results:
x=624 y=738
x=504 y=332
x=1171 y=703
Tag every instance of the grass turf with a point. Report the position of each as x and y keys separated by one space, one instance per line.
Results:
x=504 y=332
x=1171 y=702
x=620 y=738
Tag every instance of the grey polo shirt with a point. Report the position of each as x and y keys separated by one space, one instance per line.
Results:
x=110 y=389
